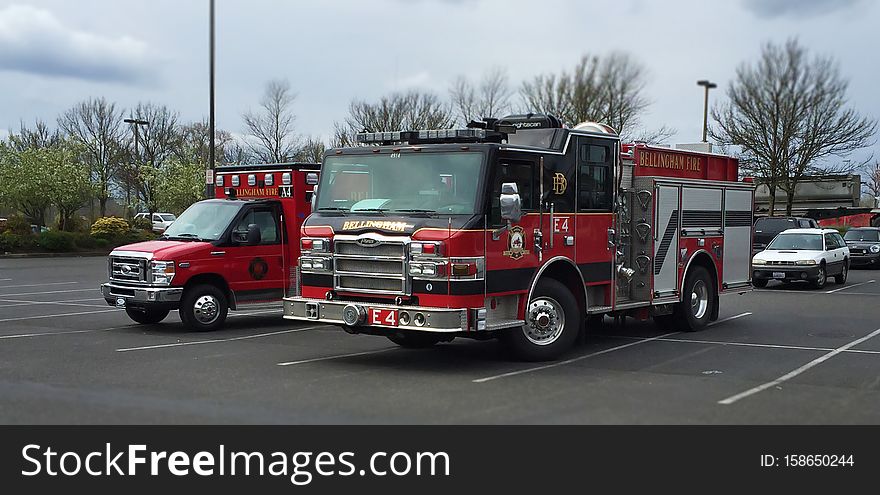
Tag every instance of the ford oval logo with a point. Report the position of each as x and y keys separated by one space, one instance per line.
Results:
x=367 y=242
x=126 y=270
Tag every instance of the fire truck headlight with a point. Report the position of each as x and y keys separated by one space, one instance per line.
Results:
x=415 y=269
x=315 y=264
x=425 y=248
x=162 y=272
x=315 y=245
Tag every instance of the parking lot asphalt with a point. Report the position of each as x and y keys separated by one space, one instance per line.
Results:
x=779 y=355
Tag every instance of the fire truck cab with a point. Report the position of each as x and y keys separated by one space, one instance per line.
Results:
x=522 y=229
x=233 y=252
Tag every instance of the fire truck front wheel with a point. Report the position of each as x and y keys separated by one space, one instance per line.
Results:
x=146 y=316
x=204 y=307
x=552 y=324
x=695 y=310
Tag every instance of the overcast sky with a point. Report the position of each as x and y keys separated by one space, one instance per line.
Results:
x=54 y=53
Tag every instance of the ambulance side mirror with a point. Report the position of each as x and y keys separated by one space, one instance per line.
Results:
x=254 y=236
x=511 y=203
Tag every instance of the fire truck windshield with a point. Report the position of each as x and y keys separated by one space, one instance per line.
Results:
x=206 y=220
x=406 y=183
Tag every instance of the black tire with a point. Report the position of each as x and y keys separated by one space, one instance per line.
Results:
x=415 y=340
x=549 y=298
x=695 y=310
x=195 y=308
x=840 y=278
x=759 y=282
x=147 y=316
x=820 y=280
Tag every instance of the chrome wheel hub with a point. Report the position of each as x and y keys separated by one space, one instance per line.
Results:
x=206 y=309
x=545 y=321
x=699 y=299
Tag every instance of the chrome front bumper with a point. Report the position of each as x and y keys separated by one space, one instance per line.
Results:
x=439 y=320
x=141 y=295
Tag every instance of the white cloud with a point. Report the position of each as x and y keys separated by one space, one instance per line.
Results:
x=34 y=41
x=419 y=80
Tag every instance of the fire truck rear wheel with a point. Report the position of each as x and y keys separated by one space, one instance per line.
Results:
x=414 y=340
x=695 y=310
x=552 y=324
x=146 y=316
x=204 y=307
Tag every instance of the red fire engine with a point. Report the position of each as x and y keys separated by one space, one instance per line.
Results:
x=521 y=229
x=233 y=252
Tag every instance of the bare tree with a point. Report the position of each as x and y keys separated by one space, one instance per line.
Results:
x=158 y=142
x=237 y=152
x=873 y=181
x=489 y=98
x=96 y=125
x=194 y=143
x=312 y=151
x=271 y=128
x=610 y=90
x=38 y=136
x=396 y=112
x=790 y=116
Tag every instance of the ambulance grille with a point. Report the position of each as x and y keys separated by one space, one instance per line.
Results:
x=125 y=269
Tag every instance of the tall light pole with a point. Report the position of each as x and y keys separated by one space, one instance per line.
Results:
x=209 y=186
x=135 y=125
x=708 y=85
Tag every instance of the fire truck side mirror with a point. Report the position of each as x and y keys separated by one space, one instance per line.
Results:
x=254 y=236
x=511 y=203
x=314 y=199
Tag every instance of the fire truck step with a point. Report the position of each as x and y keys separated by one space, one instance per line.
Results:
x=598 y=309
x=502 y=324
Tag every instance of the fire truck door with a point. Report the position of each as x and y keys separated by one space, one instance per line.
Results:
x=595 y=198
x=255 y=272
x=666 y=230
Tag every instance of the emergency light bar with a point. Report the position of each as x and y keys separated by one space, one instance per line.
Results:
x=431 y=136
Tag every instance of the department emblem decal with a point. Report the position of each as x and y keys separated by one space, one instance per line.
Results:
x=560 y=184
x=258 y=268
x=515 y=243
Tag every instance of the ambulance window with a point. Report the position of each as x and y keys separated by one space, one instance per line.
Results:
x=594 y=178
x=523 y=174
x=265 y=218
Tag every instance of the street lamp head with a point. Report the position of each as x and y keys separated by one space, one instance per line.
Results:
x=705 y=83
x=136 y=121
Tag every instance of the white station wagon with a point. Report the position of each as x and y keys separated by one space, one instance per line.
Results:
x=803 y=255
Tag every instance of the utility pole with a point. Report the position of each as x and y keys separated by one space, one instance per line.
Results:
x=209 y=184
x=135 y=125
x=708 y=85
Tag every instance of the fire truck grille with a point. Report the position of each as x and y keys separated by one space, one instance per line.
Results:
x=376 y=268
x=351 y=282
x=128 y=269
x=382 y=267
x=385 y=249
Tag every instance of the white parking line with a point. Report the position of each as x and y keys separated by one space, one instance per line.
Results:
x=569 y=361
x=788 y=376
x=743 y=344
x=337 y=356
x=5 y=279
x=718 y=322
x=60 y=303
x=35 y=285
x=849 y=287
x=49 y=334
x=215 y=341
x=50 y=292
x=57 y=315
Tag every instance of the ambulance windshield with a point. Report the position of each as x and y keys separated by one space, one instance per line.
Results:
x=205 y=221
x=405 y=183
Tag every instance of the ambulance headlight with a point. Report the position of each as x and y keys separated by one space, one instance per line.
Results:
x=162 y=272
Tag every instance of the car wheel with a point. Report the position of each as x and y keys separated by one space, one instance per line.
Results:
x=203 y=308
x=821 y=278
x=553 y=322
x=759 y=283
x=146 y=316
x=698 y=303
x=414 y=340
x=840 y=278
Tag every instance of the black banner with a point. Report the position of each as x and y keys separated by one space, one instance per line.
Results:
x=401 y=459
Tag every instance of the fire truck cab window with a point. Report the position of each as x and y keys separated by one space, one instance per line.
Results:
x=523 y=174
x=265 y=218
x=594 y=178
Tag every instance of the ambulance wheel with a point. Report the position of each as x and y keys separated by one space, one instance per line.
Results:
x=414 y=340
x=552 y=324
x=697 y=305
x=146 y=316
x=203 y=308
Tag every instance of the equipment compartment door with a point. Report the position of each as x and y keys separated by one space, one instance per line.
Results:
x=737 y=237
x=666 y=230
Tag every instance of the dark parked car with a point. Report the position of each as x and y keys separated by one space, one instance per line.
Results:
x=768 y=227
x=864 y=246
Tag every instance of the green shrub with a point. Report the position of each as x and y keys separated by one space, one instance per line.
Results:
x=110 y=228
x=101 y=243
x=54 y=240
x=137 y=236
x=142 y=224
x=18 y=224
x=84 y=241
x=11 y=242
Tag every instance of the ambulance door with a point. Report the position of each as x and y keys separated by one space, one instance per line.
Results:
x=256 y=272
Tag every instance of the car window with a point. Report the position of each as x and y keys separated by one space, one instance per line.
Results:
x=784 y=241
x=830 y=242
x=265 y=218
x=862 y=235
x=840 y=242
x=775 y=224
x=805 y=223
